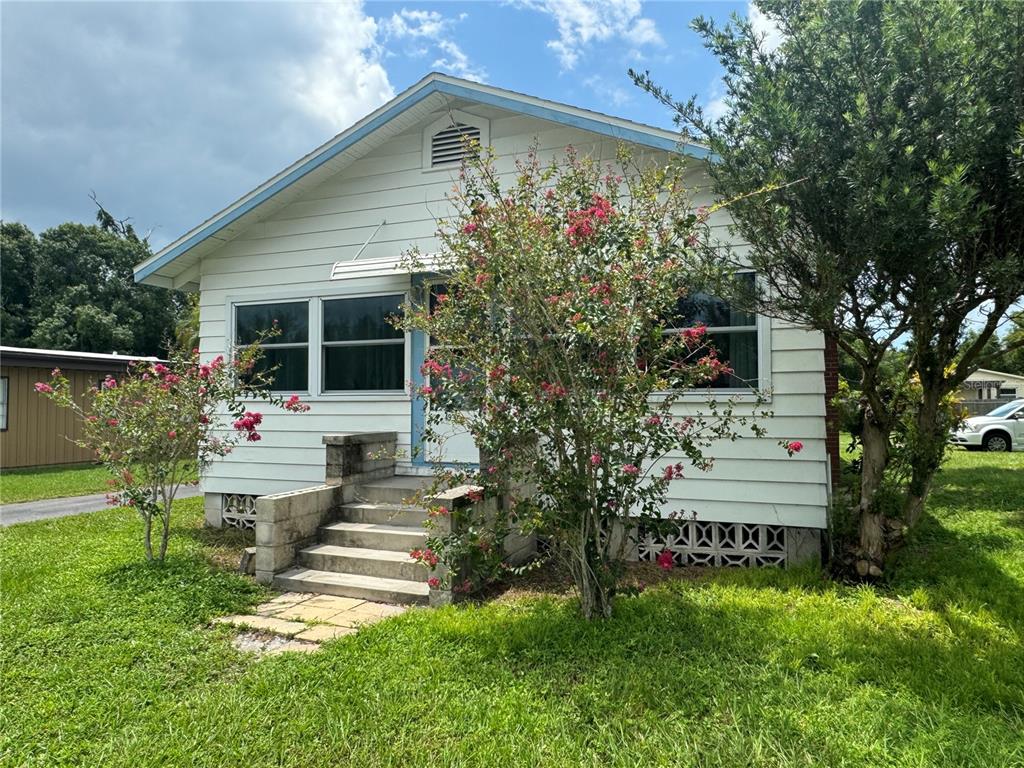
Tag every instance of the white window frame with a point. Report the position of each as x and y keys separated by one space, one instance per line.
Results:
x=763 y=327
x=335 y=290
x=233 y=335
x=404 y=341
x=5 y=402
x=482 y=124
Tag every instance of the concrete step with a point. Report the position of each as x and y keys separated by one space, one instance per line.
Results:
x=365 y=562
x=383 y=514
x=372 y=588
x=396 y=538
x=399 y=489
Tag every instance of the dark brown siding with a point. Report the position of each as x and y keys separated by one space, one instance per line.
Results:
x=38 y=431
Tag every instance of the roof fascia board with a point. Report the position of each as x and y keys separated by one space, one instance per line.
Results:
x=607 y=126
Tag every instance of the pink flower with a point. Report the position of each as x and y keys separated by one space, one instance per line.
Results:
x=673 y=471
x=694 y=334
x=433 y=582
x=253 y=437
x=43 y=388
x=792 y=446
x=426 y=389
x=110 y=383
x=491 y=470
x=654 y=421
x=113 y=422
x=293 y=404
x=665 y=561
x=470 y=228
x=595 y=459
x=204 y=419
x=631 y=469
x=172 y=434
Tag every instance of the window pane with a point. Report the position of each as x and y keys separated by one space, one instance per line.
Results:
x=373 y=367
x=702 y=308
x=739 y=351
x=292 y=318
x=361 y=319
x=292 y=374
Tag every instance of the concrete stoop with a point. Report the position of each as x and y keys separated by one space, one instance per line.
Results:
x=364 y=553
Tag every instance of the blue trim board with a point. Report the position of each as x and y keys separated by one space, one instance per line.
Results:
x=594 y=125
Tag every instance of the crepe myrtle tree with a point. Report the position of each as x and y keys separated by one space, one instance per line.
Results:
x=160 y=423
x=551 y=346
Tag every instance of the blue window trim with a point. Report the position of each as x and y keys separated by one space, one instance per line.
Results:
x=592 y=124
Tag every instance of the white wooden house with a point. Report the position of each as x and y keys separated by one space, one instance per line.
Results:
x=316 y=247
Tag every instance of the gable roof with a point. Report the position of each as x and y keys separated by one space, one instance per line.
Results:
x=433 y=92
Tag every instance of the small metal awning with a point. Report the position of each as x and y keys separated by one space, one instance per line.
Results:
x=348 y=270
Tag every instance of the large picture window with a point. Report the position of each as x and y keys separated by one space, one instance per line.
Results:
x=731 y=331
x=287 y=352
x=362 y=350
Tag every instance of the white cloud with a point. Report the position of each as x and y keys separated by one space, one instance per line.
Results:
x=457 y=63
x=716 y=106
x=344 y=79
x=765 y=28
x=431 y=28
x=616 y=95
x=584 y=22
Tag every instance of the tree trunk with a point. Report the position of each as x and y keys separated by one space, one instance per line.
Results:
x=165 y=534
x=147 y=536
x=875 y=457
x=926 y=458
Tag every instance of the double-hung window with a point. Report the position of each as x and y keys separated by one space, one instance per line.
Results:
x=362 y=350
x=730 y=330
x=286 y=352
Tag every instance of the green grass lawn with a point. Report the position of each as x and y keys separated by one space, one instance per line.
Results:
x=51 y=482
x=107 y=661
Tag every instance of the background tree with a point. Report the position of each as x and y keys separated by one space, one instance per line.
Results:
x=17 y=262
x=72 y=287
x=876 y=160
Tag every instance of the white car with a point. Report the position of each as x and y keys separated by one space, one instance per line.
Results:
x=1001 y=429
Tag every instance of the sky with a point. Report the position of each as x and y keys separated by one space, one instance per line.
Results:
x=170 y=111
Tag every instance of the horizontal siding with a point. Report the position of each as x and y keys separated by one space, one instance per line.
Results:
x=293 y=250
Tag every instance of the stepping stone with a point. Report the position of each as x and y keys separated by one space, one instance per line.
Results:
x=309 y=614
x=265 y=623
x=335 y=602
x=322 y=632
x=295 y=646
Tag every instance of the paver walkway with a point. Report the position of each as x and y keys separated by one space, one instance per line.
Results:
x=300 y=621
x=43 y=509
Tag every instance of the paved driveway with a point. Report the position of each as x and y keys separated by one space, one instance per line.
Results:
x=27 y=511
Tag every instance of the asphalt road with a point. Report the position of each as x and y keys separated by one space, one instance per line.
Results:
x=28 y=511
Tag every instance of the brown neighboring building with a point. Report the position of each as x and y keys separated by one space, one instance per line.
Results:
x=33 y=430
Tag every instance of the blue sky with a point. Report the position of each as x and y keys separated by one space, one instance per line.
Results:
x=169 y=111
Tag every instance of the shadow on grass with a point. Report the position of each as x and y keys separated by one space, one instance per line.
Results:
x=222 y=546
x=183 y=588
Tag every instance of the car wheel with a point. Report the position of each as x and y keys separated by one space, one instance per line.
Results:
x=996 y=442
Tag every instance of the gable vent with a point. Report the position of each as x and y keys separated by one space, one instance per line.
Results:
x=450 y=145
